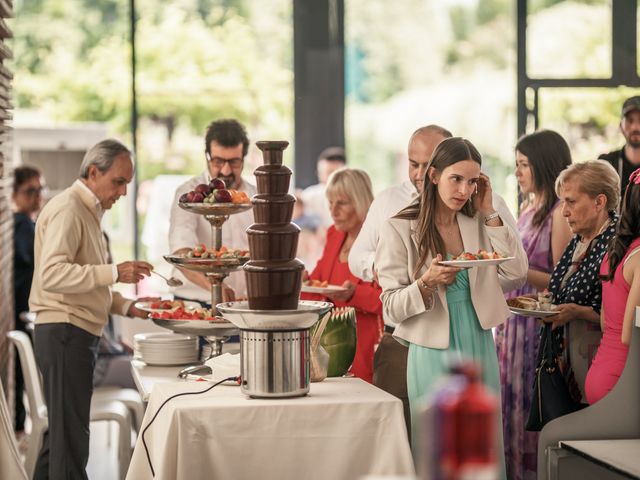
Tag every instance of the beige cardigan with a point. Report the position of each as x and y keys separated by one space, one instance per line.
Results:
x=396 y=256
x=71 y=276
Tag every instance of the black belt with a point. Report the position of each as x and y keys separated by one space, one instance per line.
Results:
x=389 y=329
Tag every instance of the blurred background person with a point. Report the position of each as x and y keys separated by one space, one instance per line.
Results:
x=627 y=159
x=540 y=157
x=444 y=312
x=314 y=197
x=311 y=238
x=589 y=193
x=620 y=274
x=27 y=201
x=350 y=194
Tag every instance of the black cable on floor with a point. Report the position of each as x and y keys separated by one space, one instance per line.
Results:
x=229 y=379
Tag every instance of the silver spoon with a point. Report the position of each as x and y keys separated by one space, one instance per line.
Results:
x=172 y=282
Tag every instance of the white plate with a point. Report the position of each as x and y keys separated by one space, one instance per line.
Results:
x=475 y=263
x=532 y=313
x=323 y=290
x=146 y=306
x=163 y=338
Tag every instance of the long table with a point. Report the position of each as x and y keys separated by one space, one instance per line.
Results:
x=344 y=429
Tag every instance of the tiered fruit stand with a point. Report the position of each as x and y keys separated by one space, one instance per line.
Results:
x=216 y=331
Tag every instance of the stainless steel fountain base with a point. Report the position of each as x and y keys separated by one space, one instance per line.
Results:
x=275 y=364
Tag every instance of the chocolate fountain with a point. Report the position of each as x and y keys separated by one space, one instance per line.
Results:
x=274 y=324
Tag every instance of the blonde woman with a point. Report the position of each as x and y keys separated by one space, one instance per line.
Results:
x=350 y=194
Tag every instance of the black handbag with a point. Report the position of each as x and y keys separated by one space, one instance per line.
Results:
x=551 y=397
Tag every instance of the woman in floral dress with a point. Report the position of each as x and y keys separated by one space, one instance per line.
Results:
x=540 y=157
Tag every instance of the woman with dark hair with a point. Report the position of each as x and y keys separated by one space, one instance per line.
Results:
x=443 y=312
x=540 y=157
x=27 y=201
x=620 y=274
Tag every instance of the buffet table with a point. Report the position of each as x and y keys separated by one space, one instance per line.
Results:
x=344 y=429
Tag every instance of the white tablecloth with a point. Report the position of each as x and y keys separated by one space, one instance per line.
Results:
x=344 y=429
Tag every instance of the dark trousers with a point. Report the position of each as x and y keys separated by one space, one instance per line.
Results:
x=390 y=372
x=66 y=356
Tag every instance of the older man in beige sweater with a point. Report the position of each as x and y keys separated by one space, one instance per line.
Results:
x=72 y=299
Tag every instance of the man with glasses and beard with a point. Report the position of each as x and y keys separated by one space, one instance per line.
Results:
x=226 y=145
x=627 y=159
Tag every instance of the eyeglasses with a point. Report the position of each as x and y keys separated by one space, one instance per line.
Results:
x=33 y=191
x=219 y=162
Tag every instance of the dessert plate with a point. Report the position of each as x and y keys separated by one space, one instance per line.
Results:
x=322 y=290
x=146 y=306
x=475 y=263
x=523 y=312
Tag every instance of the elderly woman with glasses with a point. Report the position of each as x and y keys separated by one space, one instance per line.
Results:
x=589 y=194
x=27 y=200
x=350 y=194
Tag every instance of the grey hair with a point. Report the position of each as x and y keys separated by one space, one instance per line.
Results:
x=102 y=155
x=595 y=177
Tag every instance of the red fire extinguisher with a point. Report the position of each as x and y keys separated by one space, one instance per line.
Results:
x=462 y=426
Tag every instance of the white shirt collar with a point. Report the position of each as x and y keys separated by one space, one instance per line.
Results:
x=98 y=205
x=410 y=189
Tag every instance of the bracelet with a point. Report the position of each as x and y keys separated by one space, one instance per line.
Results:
x=424 y=286
x=491 y=216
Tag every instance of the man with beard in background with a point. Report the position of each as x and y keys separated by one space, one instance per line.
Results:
x=226 y=144
x=627 y=159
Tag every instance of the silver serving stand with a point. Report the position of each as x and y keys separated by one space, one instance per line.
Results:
x=274 y=347
x=217 y=331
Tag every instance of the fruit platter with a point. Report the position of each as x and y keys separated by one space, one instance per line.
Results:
x=165 y=305
x=214 y=198
x=480 y=259
x=203 y=259
x=197 y=321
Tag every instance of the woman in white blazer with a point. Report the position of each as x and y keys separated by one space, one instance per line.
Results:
x=440 y=311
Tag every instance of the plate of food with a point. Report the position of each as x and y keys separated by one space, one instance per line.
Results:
x=165 y=305
x=203 y=259
x=322 y=287
x=480 y=259
x=530 y=307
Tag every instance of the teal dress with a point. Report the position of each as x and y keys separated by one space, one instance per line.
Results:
x=467 y=340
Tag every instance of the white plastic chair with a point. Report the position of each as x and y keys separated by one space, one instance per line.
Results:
x=101 y=409
x=10 y=461
x=129 y=397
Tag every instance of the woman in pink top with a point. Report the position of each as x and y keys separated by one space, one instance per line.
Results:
x=620 y=274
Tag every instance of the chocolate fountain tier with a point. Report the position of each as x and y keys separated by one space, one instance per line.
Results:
x=273 y=179
x=268 y=208
x=272 y=151
x=273 y=285
x=275 y=243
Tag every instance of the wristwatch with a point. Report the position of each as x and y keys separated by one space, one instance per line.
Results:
x=491 y=216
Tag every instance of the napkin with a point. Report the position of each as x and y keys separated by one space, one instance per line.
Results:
x=223 y=366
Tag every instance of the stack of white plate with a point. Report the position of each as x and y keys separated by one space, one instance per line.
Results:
x=165 y=348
